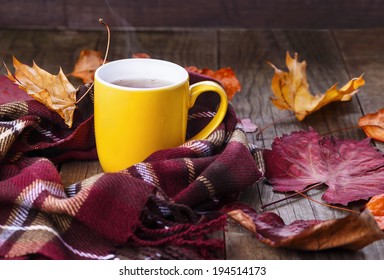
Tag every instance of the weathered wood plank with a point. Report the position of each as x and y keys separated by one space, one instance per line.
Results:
x=182 y=47
x=75 y=171
x=247 y=51
x=363 y=52
x=49 y=49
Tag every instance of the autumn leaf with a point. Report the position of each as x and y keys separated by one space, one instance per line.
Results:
x=291 y=89
x=248 y=125
x=351 y=169
x=141 y=55
x=54 y=91
x=86 y=65
x=376 y=206
x=353 y=232
x=243 y=219
x=88 y=62
x=226 y=76
x=373 y=125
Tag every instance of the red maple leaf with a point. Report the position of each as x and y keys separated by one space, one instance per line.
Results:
x=351 y=169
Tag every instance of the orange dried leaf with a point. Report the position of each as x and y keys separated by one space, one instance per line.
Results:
x=291 y=89
x=373 y=125
x=243 y=219
x=376 y=206
x=226 y=76
x=54 y=91
x=86 y=65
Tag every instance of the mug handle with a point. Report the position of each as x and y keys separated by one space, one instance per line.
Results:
x=199 y=88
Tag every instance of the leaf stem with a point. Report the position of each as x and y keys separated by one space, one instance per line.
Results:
x=339 y=130
x=326 y=204
x=105 y=56
x=310 y=187
x=88 y=90
x=108 y=40
x=261 y=130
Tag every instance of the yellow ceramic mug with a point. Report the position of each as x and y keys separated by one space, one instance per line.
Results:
x=141 y=106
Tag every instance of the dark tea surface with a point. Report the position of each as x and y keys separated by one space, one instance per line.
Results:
x=142 y=83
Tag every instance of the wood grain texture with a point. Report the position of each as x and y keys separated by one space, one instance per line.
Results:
x=302 y=14
x=49 y=49
x=363 y=52
x=247 y=51
x=75 y=171
x=332 y=56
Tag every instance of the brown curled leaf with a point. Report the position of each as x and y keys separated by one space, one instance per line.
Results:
x=353 y=232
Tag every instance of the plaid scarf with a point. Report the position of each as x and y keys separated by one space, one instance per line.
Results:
x=162 y=208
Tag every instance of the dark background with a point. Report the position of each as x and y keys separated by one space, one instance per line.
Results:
x=84 y=14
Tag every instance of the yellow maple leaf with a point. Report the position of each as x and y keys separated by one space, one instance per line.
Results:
x=291 y=89
x=54 y=91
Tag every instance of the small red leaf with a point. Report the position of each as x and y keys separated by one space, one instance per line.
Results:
x=351 y=169
x=249 y=126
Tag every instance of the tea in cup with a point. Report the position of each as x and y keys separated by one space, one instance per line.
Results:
x=141 y=106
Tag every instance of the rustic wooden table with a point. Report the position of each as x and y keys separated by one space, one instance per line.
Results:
x=332 y=56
